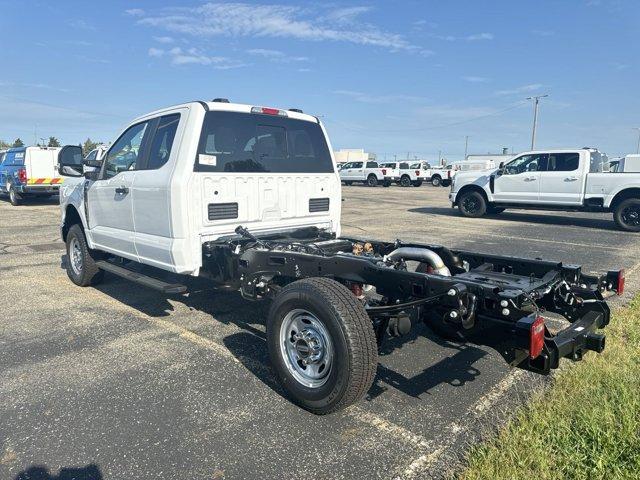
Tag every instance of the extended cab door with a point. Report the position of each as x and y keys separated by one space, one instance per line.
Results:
x=109 y=199
x=562 y=183
x=519 y=180
x=356 y=171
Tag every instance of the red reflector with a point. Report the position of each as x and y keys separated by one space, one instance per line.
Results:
x=417 y=173
x=621 y=278
x=384 y=171
x=22 y=175
x=536 y=338
x=449 y=173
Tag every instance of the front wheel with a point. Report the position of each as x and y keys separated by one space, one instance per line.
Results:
x=472 y=204
x=372 y=181
x=627 y=215
x=405 y=181
x=321 y=344
x=417 y=183
x=386 y=183
x=81 y=261
x=436 y=181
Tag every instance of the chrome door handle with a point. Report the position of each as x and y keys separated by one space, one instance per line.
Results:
x=122 y=190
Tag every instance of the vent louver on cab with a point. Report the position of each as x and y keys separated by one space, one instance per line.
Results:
x=318 y=205
x=223 y=211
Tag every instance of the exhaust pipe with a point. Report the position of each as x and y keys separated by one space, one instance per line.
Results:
x=420 y=255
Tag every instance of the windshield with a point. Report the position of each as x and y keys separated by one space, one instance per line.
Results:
x=242 y=142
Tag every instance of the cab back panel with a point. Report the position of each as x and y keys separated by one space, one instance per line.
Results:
x=266 y=201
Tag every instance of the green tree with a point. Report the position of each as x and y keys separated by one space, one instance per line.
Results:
x=4 y=145
x=53 y=142
x=18 y=143
x=88 y=146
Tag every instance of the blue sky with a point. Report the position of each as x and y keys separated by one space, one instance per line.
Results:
x=391 y=77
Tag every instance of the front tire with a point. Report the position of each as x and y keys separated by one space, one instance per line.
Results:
x=436 y=181
x=417 y=183
x=386 y=183
x=81 y=261
x=472 y=204
x=372 y=181
x=405 y=181
x=627 y=215
x=321 y=344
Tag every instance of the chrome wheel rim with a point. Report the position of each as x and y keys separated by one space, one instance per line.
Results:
x=75 y=256
x=306 y=348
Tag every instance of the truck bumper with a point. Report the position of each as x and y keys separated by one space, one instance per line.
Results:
x=38 y=189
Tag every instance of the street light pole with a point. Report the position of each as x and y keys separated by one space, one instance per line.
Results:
x=466 y=144
x=638 y=147
x=536 y=101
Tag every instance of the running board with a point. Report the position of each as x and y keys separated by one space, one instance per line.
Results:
x=141 y=279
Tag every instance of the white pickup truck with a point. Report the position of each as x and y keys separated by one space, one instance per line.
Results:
x=369 y=173
x=404 y=173
x=569 y=180
x=249 y=199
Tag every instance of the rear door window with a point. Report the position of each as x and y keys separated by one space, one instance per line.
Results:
x=162 y=141
x=372 y=165
x=241 y=142
x=563 y=162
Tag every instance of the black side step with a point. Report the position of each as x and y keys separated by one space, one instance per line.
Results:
x=141 y=279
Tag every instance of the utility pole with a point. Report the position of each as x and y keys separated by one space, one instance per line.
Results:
x=536 y=101
x=466 y=144
x=638 y=147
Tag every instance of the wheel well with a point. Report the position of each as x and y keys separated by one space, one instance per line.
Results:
x=436 y=175
x=405 y=175
x=371 y=175
x=71 y=217
x=623 y=195
x=475 y=188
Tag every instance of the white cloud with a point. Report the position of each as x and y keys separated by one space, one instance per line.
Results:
x=473 y=79
x=81 y=24
x=532 y=87
x=195 y=56
x=378 y=99
x=468 y=38
x=164 y=39
x=156 y=52
x=135 y=12
x=279 y=21
x=276 y=55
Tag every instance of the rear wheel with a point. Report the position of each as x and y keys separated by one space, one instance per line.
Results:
x=627 y=215
x=436 y=181
x=372 y=180
x=417 y=183
x=386 y=183
x=14 y=196
x=321 y=344
x=81 y=261
x=348 y=183
x=472 y=204
x=405 y=181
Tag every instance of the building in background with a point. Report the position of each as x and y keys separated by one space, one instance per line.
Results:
x=496 y=158
x=353 y=155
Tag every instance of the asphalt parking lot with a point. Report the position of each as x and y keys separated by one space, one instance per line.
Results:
x=137 y=385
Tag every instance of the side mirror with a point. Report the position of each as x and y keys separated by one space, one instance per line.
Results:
x=501 y=167
x=70 y=161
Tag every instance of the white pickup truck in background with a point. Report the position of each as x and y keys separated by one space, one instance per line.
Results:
x=369 y=173
x=568 y=180
x=404 y=173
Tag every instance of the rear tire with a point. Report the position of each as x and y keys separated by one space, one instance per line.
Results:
x=372 y=180
x=348 y=183
x=14 y=196
x=319 y=321
x=405 y=181
x=472 y=204
x=386 y=183
x=417 y=183
x=436 y=181
x=627 y=215
x=81 y=261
